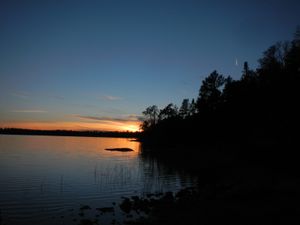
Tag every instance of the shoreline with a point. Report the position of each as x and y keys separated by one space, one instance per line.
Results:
x=70 y=133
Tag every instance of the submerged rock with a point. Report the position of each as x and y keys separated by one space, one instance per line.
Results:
x=106 y=209
x=126 y=205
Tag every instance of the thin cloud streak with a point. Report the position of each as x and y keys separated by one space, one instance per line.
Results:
x=26 y=95
x=22 y=95
x=29 y=111
x=111 y=98
x=130 y=118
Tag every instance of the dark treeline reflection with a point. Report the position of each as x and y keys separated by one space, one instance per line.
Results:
x=262 y=106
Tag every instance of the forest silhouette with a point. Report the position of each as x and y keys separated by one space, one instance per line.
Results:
x=261 y=107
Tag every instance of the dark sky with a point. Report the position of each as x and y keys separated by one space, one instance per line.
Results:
x=86 y=64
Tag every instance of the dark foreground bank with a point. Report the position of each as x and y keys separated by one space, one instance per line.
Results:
x=250 y=184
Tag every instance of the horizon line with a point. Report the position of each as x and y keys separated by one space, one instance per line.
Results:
x=87 y=130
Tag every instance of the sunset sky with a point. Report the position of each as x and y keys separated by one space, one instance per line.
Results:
x=98 y=64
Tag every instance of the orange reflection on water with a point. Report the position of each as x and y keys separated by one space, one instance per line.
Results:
x=73 y=151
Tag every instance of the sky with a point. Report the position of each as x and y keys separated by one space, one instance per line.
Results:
x=96 y=65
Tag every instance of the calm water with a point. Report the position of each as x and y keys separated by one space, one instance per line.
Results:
x=45 y=180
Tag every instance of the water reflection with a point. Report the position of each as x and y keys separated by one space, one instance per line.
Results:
x=42 y=179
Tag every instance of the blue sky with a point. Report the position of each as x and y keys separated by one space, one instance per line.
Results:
x=104 y=62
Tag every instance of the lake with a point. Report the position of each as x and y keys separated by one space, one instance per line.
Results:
x=45 y=180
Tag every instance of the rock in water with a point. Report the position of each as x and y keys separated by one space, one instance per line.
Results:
x=120 y=149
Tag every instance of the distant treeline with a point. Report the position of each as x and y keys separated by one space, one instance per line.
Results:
x=262 y=106
x=17 y=131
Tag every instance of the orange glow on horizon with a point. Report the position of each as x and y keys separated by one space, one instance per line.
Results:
x=108 y=125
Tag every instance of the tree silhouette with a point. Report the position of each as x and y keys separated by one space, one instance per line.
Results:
x=151 y=115
x=192 y=108
x=170 y=111
x=184 y=109
x=246 y=69
x=247 y=74
x=210 y=91
x=273 y=61
x=292 y=58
